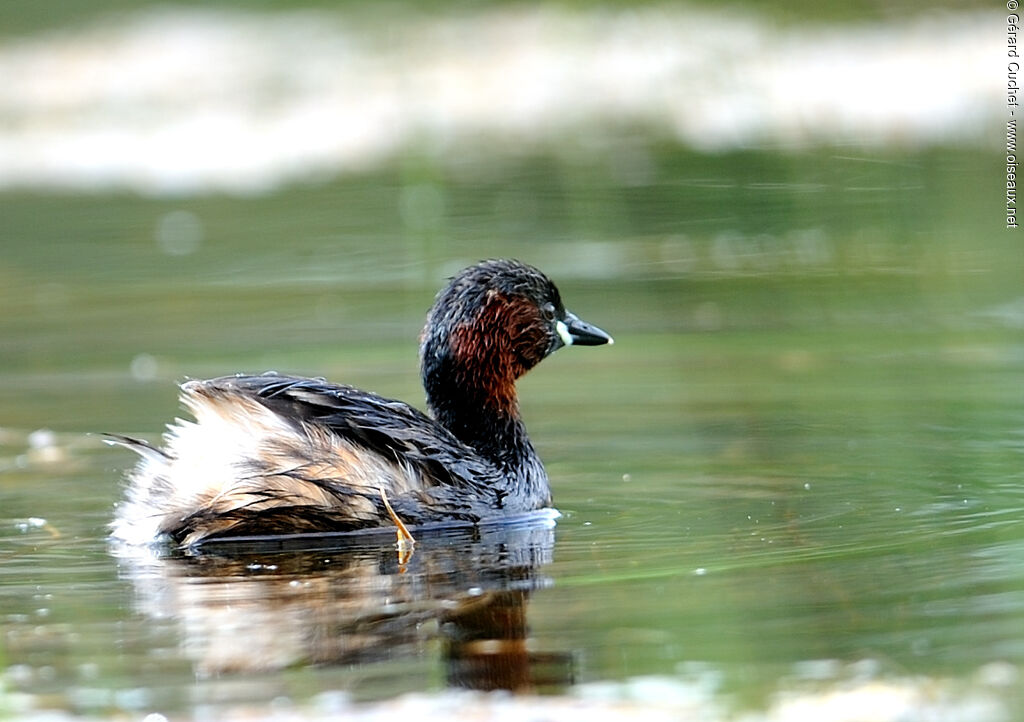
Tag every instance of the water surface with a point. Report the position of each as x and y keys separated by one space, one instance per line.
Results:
x=800 y=464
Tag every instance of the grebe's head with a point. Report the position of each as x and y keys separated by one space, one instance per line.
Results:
x=493 y=323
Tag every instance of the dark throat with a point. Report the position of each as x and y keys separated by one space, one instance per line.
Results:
x=482 y=415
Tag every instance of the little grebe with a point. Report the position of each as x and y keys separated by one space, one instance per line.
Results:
x=275 y=454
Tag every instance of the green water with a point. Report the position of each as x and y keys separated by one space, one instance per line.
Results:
x=804 y=448
x=23 y=18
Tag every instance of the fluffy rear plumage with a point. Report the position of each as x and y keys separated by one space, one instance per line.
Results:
x=272 y=454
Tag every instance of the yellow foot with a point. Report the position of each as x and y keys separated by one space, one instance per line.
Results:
x=405 y=541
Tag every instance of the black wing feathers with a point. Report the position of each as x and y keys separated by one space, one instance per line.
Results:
x=387 y=427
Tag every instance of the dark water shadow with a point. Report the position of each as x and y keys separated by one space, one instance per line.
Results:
x=258 y=605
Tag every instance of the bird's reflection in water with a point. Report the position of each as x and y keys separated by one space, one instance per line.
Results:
x=259 y=605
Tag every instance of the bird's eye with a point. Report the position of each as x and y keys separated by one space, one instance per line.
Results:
x=548 y=309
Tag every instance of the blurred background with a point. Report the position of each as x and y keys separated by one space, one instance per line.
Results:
x=800 y=464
